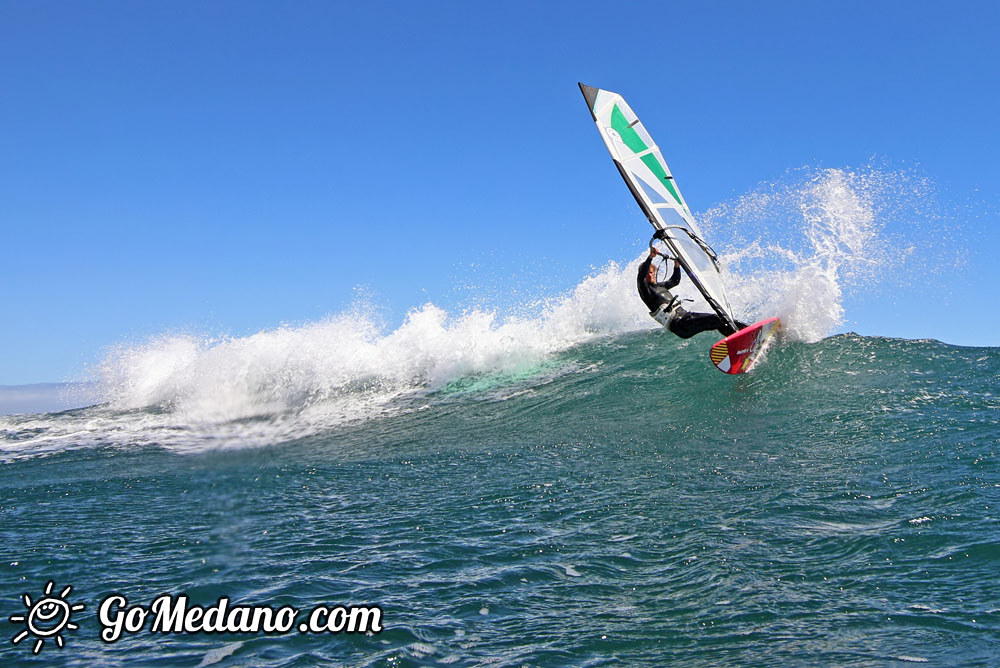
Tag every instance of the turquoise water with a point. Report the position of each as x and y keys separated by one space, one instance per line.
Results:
x=617 y=502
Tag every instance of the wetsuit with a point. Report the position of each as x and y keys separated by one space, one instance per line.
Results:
x=665 y=308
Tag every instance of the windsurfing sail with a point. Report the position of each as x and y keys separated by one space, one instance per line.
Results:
x=641 y=164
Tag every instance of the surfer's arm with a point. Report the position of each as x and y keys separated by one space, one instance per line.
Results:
x=674 y=279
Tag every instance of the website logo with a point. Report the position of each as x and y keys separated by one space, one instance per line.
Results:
x=47 y=617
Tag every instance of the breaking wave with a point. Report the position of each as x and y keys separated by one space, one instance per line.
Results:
x=794 y=248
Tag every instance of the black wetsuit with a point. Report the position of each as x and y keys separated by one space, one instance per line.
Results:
x=682 y=323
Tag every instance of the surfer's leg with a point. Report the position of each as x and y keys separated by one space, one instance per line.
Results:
x=726 y=330
x=686 y=325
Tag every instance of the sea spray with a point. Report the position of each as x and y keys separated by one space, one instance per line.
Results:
x=800 y=246
x=795 y=249
x=789 y=249
x=285 y=368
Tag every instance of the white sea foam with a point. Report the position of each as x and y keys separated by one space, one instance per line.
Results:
x=797 y=271
x=292 y=382
x=791 y=249
x=346 y=364
x=217 y=654
x=798 y=247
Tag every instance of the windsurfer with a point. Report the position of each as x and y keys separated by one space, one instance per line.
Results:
x=665 y=307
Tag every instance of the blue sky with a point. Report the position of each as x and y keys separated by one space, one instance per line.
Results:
x=226 y=167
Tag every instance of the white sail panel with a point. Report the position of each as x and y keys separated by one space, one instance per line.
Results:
x=701 y=267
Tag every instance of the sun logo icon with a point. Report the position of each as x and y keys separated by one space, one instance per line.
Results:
x=46 y=617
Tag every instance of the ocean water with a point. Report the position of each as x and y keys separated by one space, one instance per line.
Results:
x=569 y=486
